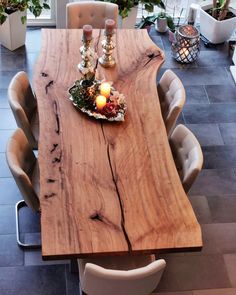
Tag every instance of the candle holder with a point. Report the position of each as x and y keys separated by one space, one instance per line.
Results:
x=87 y=65
x=187 y=45
x=107 y=60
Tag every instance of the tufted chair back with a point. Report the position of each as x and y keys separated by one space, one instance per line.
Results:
x=187 y=154
x=24 y=168
x=24 y=107
x=97 y=280
x=172 y=98
x=92 y=13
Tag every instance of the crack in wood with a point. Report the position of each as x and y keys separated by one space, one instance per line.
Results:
x=50 y=83
x=55 y=145
x=44 y=74
x=50 y=180
x=151 y=56
x=55 y=108
x=119 y=197
x=96 y=216
x=49 y=196
x=57 y=159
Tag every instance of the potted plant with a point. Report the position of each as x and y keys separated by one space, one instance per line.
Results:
x=161 y=22
x=13 y=20
x=149 y=20
x=217 y=21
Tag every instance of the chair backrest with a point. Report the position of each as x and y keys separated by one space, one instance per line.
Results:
x=141 y=281
x=93 y=13
x=22 y=163
x=172 y=98
x=187 y=154
x=23 y=104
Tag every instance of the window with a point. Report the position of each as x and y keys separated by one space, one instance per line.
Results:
x=47 y=17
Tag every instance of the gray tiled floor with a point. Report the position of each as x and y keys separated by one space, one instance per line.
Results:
x=210 y=112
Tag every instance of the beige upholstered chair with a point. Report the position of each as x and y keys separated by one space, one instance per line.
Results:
x=24 y=107
x=172 y=98
x=92 y=13
x=133 y=275
x=187 y=154
x=24 y=168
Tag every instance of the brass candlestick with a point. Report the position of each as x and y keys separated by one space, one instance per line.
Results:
x=87 y=65
x=107 y=60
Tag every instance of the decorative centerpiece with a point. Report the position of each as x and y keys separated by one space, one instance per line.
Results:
x=96 y=98
x=187 y=45
x=107 y=60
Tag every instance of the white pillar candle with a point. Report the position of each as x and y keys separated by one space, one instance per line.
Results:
x=100 y=102
x=105 y=89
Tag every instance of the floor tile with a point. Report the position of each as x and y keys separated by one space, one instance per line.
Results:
x=221 y=93
x=201 y=209
x=34 y=280
x=4 y=137
x=210 y=113
x=10 y=253
x=219 y=157
x=171 y=62
x=4 y=169
x=230 y=262
x=7 y=224
x=222 y=208
x=219 y=238
x=9 y=193
x=3 y=98
x=5 y=78
x=7 y=119
x=219 y=58
x=228 y=133
x=207 y=134
x=72 y=282
x=157 y=40
x=29 y=221
x=228 y=291
x=188 y=273
x=196 y=94
x=214 y=182
x=208 y=76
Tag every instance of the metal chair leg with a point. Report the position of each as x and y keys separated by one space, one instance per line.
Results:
x=19 y=205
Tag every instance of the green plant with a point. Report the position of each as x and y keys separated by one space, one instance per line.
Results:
x=126 y=5
x=9 y=6
x=147 y=21
x=220 y=9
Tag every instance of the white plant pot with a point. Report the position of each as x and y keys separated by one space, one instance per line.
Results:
x=129 y=21
x=12 y=31
x=161 y=25
x=215 y=31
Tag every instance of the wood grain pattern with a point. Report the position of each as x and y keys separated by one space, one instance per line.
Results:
x=107 y=188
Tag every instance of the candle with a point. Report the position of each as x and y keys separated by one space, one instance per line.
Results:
x=184 y=52
x=109 y=26
x=87 y=32
x=100 y=102
x=105 y=89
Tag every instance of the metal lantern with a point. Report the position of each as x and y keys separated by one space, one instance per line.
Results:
x=187 y=45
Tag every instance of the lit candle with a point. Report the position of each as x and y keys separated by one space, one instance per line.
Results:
x=184 y=52
x=87 y=32
x=109 y=26
x=105 y=89
x=100 y=102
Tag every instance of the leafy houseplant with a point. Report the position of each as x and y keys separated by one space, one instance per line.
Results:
x=8 y=7
x=217 y=21
x=149 y=7
x=13 y=20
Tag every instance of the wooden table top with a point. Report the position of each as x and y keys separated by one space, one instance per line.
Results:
x=107 y=188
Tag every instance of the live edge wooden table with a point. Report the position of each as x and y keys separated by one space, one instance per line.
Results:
x=107 y=188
